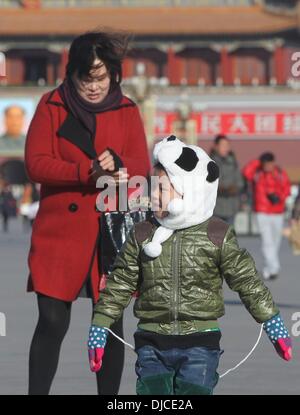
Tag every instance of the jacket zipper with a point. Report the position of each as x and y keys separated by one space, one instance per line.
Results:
x=175 y=282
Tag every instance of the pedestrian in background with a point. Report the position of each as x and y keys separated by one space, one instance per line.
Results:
x=8 y=204
x=231 y=180
x=296 y=208
x=29 y=204
x=292 y=232
x=271 y=187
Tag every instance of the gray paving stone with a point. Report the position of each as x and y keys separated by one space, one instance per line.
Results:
x=264 y=373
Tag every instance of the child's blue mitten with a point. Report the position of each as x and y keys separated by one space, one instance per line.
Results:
x=96 y=345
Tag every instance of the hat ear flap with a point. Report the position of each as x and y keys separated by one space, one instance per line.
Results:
x=187 y=160
x=213 y=172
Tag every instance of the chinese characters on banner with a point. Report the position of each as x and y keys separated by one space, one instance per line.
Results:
x=239 y=124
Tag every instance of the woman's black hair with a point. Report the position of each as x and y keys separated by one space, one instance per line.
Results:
x=267 y=157
x=220 y=137
x=108 y=46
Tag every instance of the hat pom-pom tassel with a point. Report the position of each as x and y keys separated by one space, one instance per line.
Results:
x=153 y=249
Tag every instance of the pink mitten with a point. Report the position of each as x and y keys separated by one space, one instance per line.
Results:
x=284 y=348
x=96 y=344
x=279 y=336
x=95 y=358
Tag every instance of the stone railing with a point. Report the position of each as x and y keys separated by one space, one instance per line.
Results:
x=129 y=3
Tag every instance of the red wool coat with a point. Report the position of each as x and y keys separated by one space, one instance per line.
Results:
x=66 y=229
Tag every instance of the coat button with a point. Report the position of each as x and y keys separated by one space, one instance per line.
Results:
x=73 y=207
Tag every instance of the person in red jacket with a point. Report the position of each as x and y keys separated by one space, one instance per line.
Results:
x=271 y=187
x=81 y=130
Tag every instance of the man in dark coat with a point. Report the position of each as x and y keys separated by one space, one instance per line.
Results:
x=230 y=182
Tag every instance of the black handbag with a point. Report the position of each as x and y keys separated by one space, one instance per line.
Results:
x=114 y=228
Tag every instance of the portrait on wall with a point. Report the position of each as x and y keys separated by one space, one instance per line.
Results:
x=15 y=116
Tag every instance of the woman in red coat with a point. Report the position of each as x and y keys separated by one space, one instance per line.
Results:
x=84 y=127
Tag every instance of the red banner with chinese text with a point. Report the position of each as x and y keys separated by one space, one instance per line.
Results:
x=236 y=124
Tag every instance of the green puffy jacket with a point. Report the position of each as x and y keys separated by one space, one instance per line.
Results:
x=180 y=291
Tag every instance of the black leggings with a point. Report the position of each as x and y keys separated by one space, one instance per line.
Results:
x=53 y=324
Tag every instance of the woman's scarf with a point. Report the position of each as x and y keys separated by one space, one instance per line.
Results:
x=85 y=111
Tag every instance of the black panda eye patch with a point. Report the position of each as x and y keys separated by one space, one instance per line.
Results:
x=213 y=172
x=187 y=160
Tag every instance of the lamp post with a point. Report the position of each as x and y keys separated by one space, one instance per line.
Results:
x=184 y=127
x=140 y=85
x=140 y=88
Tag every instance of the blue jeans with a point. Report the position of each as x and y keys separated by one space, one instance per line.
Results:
x=191 y=371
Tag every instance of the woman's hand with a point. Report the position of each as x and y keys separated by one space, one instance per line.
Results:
x=109 y=164
x=119 y=176
x=106 y=161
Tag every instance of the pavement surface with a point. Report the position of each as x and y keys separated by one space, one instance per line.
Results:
x=263 y=373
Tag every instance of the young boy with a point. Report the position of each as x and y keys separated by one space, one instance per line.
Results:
x=177 y=261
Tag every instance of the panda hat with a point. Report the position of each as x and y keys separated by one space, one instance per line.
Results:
x=195 y=176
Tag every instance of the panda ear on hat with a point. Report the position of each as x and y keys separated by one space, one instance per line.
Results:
x=171 y=138
x=213 y=172
x=167 y=150
x=187 y=160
